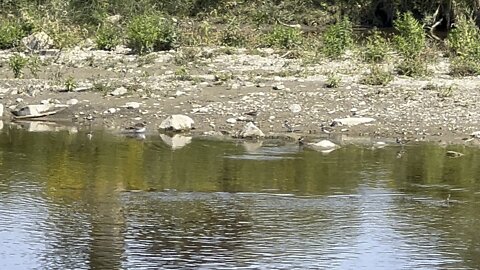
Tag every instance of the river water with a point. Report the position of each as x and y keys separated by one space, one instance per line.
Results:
x=69 y=200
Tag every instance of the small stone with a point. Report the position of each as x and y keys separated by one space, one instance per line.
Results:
x=231 y=120
x=119 y=91
x=72 y=101
x=19 y=100
x=278 y=87
x=295 y=108
x=112 y=110
x=1 y=110
x=132 y=105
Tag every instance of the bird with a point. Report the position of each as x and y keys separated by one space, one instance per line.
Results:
x=301 y=141
x=326 y=130
x=138 y=128
x=288 y=126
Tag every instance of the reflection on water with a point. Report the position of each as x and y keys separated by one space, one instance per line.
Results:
x=74 y=201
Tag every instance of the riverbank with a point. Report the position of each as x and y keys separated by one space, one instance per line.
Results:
x=221 y=88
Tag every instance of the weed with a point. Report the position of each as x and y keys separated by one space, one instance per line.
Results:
x=148 y=59
x=233 y=35
x=185 y=55
x=34 y=63
x=149 y=33
x=464 y=66
x=333 y=81
x=377 y=76
x=101 y=87
x=413 y=67
x=337 y=38
x=284 y=37
x=70 y=84
x=410 y=40
x=464 y=44
x=17 y=62
x=446 y=91
x=108 y=37
x=376 y=48
x=181 y=74
x=11 y=33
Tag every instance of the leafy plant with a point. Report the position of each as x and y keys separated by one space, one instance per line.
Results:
x=108 y=37
x=181 y=74
x=147 y=33
x=17 y=62
x=333 y=81
x=11 y=33
x=377 y=76
x=233 y=35
x=337 y=38
x=413 y=67
x=376 y=48
x=284 y=37
x=464 y=43
x=34 y=63
x=70 y=84
x=410 y=40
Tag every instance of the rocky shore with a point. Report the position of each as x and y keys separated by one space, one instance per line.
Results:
x=222 y=89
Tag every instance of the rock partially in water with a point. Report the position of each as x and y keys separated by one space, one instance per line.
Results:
x=324 y=146
x=177 y=122
x=251 y=131
x=352 y=121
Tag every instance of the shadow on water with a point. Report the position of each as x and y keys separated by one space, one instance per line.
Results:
x=82 y=200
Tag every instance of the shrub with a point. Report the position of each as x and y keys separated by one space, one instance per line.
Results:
x=11 y=33
x=413 y=67
x=337 y=38
x=233 y=36
x=108 y=37
x=465 y=38
x=284 y=37
x=17 y=62
x=376 y=48
x=464 y=44
x=70 y=84
x=410 y=39
x=147 y=33
x=377 y=76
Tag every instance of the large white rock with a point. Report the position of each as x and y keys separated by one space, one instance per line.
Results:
x=1 y=110
x=251 y=131
x=353 y=121
x=38 y=41
x=177 y=122
x=119 y=91
x=323 y=144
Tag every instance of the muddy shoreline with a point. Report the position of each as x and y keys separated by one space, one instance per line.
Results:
x=222 y=88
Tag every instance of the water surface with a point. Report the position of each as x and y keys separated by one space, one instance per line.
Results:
x=68 y=201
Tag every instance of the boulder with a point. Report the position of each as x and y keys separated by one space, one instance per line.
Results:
x=177 y=122
x=38 y=41
x=251 y=131
x=352 y=121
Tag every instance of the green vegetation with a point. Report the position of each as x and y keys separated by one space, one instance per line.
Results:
x=11 y=33
x=108 y=37
x=376 y=48
x=464 y=44
x=284 y=37
x=17 y=62
x=333 y=81
x=148 y=33
x=70 y=84
x=337 y=38
x=410 y=43
x=377 y=76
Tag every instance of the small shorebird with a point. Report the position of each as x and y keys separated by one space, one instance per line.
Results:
x=137 y=128
x=326 y=130
x=287 y=125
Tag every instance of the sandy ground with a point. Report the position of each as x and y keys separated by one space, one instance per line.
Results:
x=219 y=86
